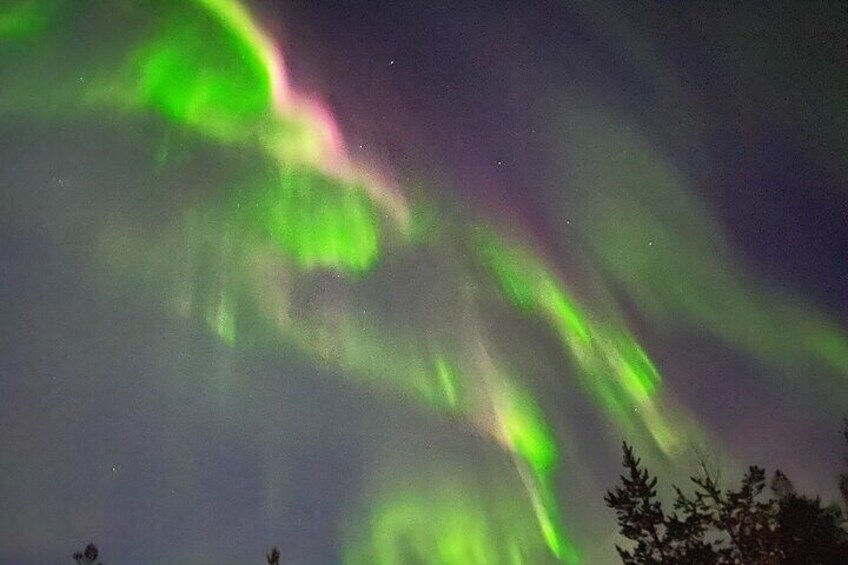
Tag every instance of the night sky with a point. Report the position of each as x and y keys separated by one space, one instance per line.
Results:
x=389 y=282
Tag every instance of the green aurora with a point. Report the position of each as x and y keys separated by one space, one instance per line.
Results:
x=303 y=215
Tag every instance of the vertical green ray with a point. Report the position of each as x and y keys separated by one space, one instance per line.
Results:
x=319 y=221
x=449 y=521
x=617 y=371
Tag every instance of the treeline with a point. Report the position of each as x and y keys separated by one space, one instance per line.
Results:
x=91 y=556
x=752 y=524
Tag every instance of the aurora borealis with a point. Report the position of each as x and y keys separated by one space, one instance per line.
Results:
x=390 y=284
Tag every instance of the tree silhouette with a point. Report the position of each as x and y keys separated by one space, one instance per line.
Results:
x=809 y=534
x=713 y=526
x=88 y=556
x=751 y=525
x=640 y=515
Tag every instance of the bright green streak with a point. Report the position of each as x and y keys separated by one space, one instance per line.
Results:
x=510 y=268
x=447 y=379
x=447 y=521
x=216 y=86
x=567 y=317
x=320 y=221
x=207 y=67
x=529 y=285
x=527 y=432
x=547 y=515
x=530 y=438
x=620 y=374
